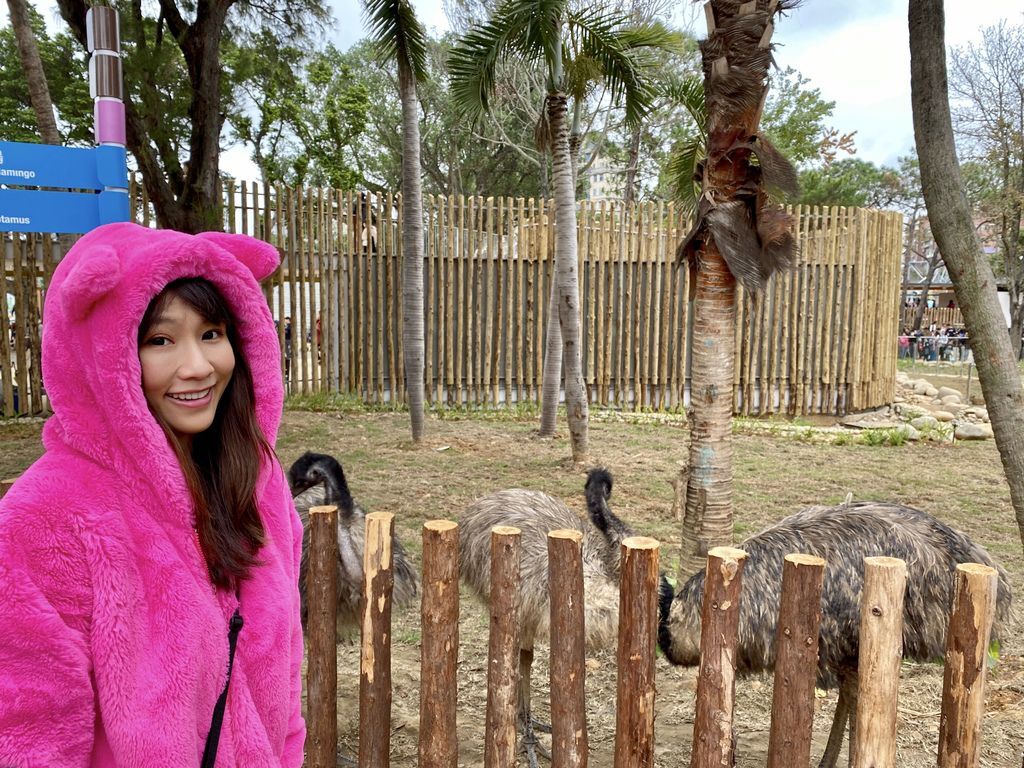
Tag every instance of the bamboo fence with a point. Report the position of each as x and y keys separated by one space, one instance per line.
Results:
x=819 y=340
x=940 y=317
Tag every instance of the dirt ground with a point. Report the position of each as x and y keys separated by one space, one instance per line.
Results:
x=776 y=473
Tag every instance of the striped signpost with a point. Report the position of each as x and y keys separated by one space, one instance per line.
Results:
x=45 y=188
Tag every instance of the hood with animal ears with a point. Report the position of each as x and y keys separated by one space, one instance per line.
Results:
x=94 y=305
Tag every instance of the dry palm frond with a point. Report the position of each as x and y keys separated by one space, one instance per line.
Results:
x=777 y=174
x=778 y=246
x=735 y=234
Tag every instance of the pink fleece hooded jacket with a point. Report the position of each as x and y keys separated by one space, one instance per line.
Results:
x=113 y=641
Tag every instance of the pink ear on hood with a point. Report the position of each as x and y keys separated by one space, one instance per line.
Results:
x=89 y=281
x=261 y=258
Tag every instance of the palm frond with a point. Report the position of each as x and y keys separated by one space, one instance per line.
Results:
x=625 y=52
x=398 y=35
x=681 y=172
x=518 y=29
x=688 y=92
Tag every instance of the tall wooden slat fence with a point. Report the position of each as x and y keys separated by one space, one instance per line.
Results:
x=819 y=340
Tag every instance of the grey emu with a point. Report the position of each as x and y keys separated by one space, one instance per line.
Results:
x=843 y=536
x=536 y=514
x=317 y=479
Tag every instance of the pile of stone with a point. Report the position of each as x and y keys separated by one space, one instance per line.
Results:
x=925 y=412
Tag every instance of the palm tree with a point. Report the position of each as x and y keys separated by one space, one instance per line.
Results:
x=550 y=31
x=737 y=235
x=400 y=37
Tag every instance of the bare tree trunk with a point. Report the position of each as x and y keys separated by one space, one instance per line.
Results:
x=567 y=277
x=933 y=265
x=950 y=218
x=908 y=250
x=38 y=89
x=412 y=252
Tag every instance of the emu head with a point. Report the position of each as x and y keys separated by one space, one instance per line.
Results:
x=314 y=468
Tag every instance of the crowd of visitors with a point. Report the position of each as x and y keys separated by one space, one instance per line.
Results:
x=949 y=344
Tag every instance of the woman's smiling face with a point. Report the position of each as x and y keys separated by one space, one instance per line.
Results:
x=187 y=362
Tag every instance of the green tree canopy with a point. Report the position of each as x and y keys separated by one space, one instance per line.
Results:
x=851 y=182
x=66 y=72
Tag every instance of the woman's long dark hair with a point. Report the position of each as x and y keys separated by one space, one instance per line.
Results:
x=223 y=465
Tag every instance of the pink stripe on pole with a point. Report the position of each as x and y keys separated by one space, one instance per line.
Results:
x=109 y=121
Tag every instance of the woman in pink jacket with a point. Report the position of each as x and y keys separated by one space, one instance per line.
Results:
x=157 y=521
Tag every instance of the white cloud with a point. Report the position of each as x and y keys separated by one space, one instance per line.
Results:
x=863 y=62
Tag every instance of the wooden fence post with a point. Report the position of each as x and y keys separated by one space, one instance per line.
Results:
x=503 y=649
x=796 y=661
x=716 y=682
x=321 y=637
x=881 y=651
x=638 y=628
x=568 y=650
x=5 y=486
x=439 y=743
x=963 y=682
x=375 y=657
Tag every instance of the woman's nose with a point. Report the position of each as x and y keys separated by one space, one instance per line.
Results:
x=195 y=364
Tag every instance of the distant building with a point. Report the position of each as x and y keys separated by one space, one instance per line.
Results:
x=605 y=179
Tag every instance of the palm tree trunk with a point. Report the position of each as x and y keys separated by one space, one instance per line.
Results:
x=567 y=277
x=950 y=218
x=707 y=520
x=412 y=256
x=38 y=89
x=736 y=46
x=552 y=383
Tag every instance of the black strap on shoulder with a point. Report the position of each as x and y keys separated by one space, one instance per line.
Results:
x=210 y=751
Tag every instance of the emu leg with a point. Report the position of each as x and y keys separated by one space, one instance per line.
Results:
x=846 y=712
x=525 y=719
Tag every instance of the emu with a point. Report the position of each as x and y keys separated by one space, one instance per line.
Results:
x=843 y=535
x=536 y=514
x=317 y=479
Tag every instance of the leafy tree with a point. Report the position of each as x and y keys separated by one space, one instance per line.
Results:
x=399 y=37
x=550 y=31
x=737 y=236
x=331 y=119
x=66 y=78
x=951 y=221
x=176 y=94
x=851 y=182
x=494 y=157
x=268 y=96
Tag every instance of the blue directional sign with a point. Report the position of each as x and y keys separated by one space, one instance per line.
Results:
x=100 y=172
x=30 y=210
x=46 y=165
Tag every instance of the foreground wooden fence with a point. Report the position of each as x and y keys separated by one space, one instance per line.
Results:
x=819 y=340
x=880 y=640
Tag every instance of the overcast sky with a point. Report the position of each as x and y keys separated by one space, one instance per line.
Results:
x=856 y=53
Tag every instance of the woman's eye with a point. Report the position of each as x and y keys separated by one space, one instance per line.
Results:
x=213 y=334
x=158 y=341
